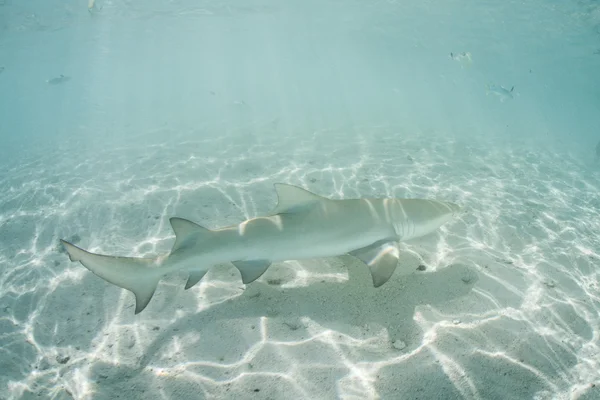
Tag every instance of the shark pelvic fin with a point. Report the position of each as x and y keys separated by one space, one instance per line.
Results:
x=381 y=258
x=185 y=232
x=138 y=275
x=293 y=198
x=251 y=270
x=194 y=277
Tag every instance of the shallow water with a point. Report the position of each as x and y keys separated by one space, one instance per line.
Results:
x=195 y=109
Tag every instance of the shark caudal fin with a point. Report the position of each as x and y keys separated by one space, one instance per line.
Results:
x=138 y=275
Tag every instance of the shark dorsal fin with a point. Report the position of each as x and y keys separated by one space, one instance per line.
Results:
x=292 y=198
x=185 y=230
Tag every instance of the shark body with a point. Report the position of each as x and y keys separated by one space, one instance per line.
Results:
x=302 y=226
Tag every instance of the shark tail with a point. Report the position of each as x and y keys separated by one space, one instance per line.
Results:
x=138 y=275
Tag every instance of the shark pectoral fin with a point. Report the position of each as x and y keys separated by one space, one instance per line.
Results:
x=186 y=230
x=251 y=270
x=293 y=198
x=381 y=258
x=138 y=275
x=195 y=277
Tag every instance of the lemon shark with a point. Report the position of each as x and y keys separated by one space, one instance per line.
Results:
x=303 y=225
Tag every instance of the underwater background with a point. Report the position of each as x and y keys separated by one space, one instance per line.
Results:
x=117 y=115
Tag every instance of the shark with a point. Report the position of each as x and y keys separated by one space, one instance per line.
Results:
x=303 y=225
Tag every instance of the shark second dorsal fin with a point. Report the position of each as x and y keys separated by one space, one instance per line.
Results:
x=184 y=230
x=292 y=198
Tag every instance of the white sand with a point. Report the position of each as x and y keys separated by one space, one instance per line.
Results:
x=507 y=308
x=194 y=109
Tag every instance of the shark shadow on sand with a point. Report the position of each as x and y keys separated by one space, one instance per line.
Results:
x=342 y=307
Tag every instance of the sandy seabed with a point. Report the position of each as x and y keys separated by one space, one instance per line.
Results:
x=507 y=306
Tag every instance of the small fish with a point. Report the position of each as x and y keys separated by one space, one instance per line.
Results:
x=500 y=91
x=463 y=58
x=59 y=79
x=1 y=70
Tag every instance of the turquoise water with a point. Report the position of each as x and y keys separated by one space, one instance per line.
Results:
x=195 y=109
